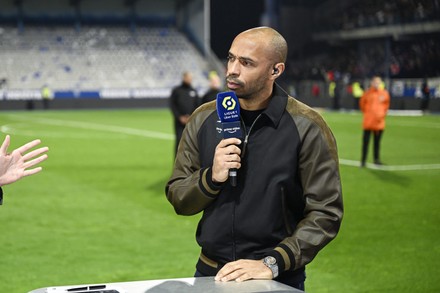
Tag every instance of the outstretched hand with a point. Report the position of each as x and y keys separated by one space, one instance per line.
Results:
x=15 y=165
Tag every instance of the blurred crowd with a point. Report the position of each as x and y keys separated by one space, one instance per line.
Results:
x=369 y=13
x=407 y=59
x=411 y=56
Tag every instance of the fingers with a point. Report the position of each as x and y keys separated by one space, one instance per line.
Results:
x=35 y=153
x=28 y=146
x=32 y=171
x=232 y=271
x=228 y=147
x=242 y=270
x=228 y=272
x=227 y=156
x=238 y=275
x=229 y=141
x=30 y=159
x=35 y=161
x=5 y=145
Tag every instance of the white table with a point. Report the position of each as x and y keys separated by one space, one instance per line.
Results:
x=182 y=285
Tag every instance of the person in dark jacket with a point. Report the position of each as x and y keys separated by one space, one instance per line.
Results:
x=15 y=165
x=426 y=95
x=183 y=101
x=287 y=204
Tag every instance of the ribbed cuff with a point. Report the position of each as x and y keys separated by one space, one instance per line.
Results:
x=210 y=188
x=285 y=258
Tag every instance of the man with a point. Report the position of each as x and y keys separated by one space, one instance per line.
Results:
x=214 y=87
x=374 y=105
x=426 y=95
x=183 y=102
x=287 y=204
x=15 y=165
x=357 y=92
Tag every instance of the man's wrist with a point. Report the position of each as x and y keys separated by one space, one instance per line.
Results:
x=271 y=263
x=208 y=187
x=210 y=179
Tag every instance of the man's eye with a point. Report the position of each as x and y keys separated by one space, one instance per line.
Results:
x=230 y=58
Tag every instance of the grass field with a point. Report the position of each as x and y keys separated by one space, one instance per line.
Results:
x=98 y=213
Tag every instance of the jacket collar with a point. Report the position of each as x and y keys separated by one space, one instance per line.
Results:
x=277 y=105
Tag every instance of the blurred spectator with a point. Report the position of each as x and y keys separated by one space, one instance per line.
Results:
x=426 y=95
x=357 y=92
x=214 y=87
x=316 y=91
x=374 y=104
x=3 y=83
x=183 y=101
x=46 y=94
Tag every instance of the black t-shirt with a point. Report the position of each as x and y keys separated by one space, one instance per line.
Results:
x=249 y=116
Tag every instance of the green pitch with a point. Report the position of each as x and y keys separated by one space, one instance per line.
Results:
x=98 y=212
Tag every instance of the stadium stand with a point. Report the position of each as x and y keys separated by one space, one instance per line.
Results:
x=98 y=58
x=118 y=49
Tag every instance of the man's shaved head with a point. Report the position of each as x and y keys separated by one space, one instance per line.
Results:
x=276 y=45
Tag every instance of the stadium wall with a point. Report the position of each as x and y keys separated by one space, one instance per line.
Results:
x=406 y=95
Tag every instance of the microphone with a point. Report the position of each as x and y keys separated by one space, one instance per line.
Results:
x=228 y=110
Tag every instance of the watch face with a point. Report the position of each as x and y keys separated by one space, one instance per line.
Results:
x=270 y=260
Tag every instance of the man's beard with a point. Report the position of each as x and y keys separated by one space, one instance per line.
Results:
x=240 y=83
x=252 y=88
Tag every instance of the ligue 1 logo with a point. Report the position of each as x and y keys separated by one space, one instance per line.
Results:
x=228 y=107
x=228 y=103
x=228 y=110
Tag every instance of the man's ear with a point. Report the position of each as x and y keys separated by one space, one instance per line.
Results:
x=277 y=70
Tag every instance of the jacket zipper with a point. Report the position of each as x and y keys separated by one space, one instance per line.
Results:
x=246 y=139
x=234 y=253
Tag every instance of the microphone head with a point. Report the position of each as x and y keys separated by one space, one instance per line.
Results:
x=228 y=107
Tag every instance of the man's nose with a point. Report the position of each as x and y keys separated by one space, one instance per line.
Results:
x=233 y=68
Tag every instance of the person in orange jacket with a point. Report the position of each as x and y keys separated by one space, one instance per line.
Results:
x=374 y=105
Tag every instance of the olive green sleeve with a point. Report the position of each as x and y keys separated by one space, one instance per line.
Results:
x=190 y=187
x=322 y=190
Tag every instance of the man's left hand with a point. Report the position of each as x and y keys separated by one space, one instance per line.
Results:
x=244 y=269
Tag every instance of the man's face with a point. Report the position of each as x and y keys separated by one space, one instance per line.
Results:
x=249 y=67
x=375 y=82
x=187 y=78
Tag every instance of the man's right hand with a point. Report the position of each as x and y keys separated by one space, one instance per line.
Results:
x=226 y=156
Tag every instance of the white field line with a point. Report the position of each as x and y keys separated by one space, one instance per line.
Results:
x=415 y=124
x=391 y=167
x=100 y=127
x=161 y=135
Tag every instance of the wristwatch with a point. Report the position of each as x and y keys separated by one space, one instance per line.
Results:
x=271 y=263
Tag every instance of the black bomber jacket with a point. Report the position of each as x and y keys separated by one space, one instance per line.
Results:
x=288 y=200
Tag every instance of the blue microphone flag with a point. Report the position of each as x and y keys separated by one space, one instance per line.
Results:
x=228 y=107
x=228 y=110
x=229 y=125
